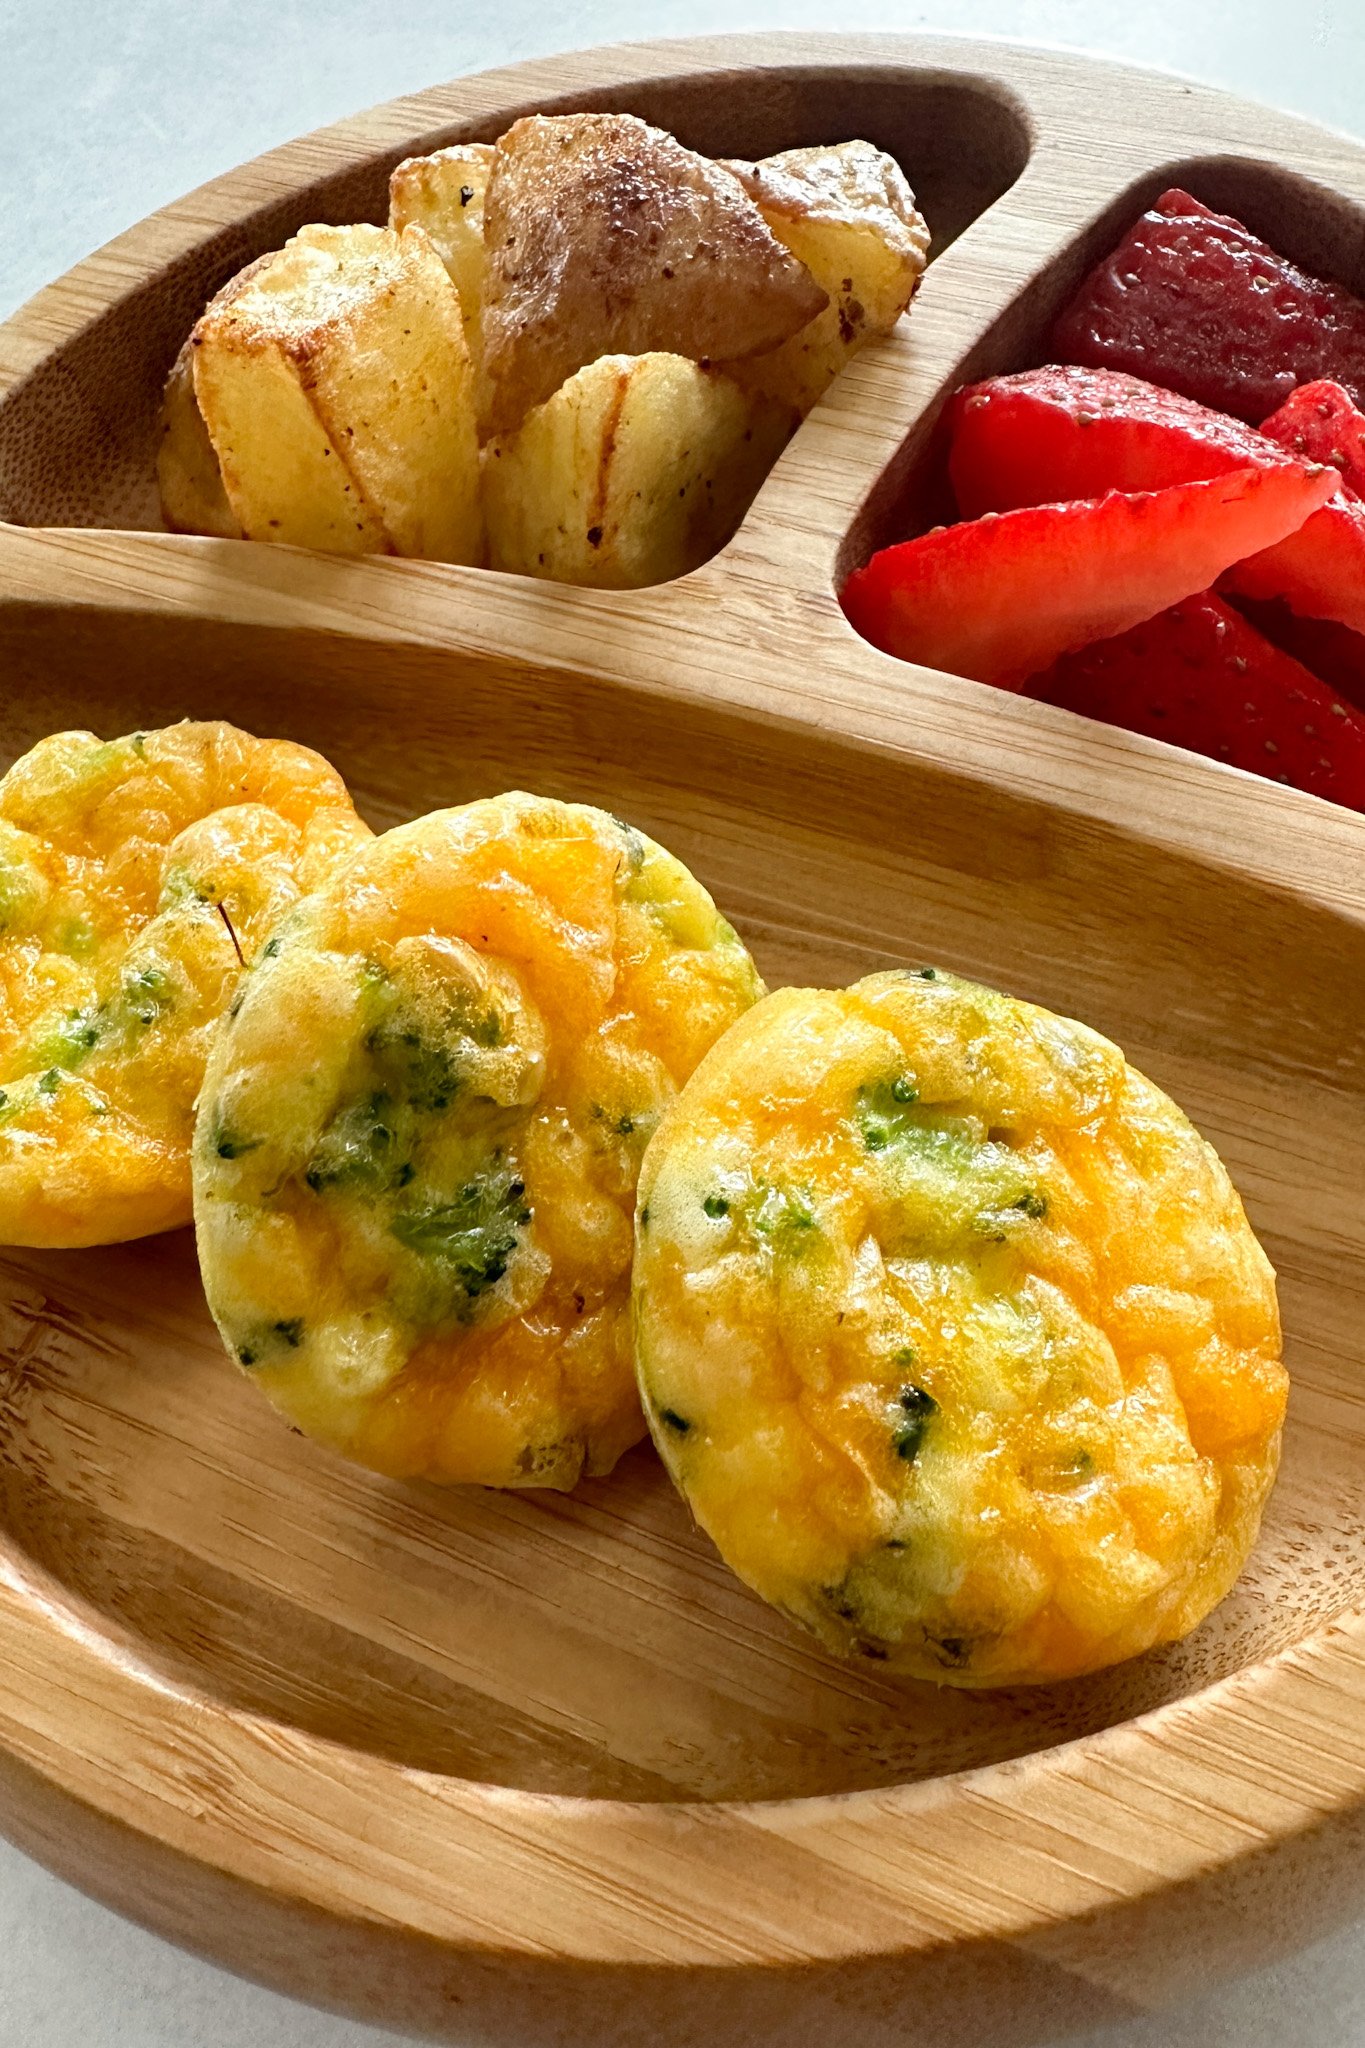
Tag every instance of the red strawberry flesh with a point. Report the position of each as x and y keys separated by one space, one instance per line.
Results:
x=1065 y=432
x=1333 y=652
x=998 y=598
x=1320 y=424
x=1193 y=300
x=1051 y=435
x=1200 y=677
x=1320 y=570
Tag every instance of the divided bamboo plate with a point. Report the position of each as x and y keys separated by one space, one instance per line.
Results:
x=530 y=1766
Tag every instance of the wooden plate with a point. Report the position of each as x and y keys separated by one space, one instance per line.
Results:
x=527 y=1764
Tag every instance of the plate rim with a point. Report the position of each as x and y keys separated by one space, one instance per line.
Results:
x=1004 y=1851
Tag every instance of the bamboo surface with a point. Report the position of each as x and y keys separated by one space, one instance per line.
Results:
x=540 y=1762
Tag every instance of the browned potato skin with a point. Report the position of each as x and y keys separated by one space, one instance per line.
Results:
x=336 y=387
x=845 y=210
x=833 y=181
x=607 y=237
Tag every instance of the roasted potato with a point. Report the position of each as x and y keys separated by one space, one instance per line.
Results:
x=541 y=296
x=444 y=194
x=419 y=1138
x=136 y=876
x=635 y=471
x=953 y=1332
x=189 y=477
x=190 y=482
x=337 y=390
x=847 y=213
x=606 y=237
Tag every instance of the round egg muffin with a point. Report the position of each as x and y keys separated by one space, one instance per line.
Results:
x=419 y=1139
x=953 y=1333
x=136 y=876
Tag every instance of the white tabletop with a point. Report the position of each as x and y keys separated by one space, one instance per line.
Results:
x=113 y=107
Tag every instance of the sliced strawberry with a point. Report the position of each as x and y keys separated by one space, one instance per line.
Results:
x=1052 y=435
x=1067 y=432
x=1319 y=571
x=1333 y=652
x=1193 y=300
x=1201 y=677
x=1320 y=424
x=1001 y=597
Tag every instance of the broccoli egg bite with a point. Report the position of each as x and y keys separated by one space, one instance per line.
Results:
x=136 y=876
x=419 y=1138
x=953 y=1333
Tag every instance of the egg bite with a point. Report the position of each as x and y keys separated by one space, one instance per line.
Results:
x=136 y=877
x=420 y=1134
x=953 y=1333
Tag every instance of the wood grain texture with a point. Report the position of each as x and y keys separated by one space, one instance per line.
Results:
x=536 y=1764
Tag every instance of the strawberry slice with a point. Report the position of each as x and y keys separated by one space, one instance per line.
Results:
x=1319 y=571
x=1320 y=424
x=1069 y=432
x=1201 y=677
x=1059 y=433
x=1001 y=597
x=1193 y=300
x=1331 y=651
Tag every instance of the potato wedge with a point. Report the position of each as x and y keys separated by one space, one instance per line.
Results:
x=444 y=193
x=636 y=470
x=846 y=211
x=191 y=484
x=605 y=236
x=337 y=391
x=188 y=476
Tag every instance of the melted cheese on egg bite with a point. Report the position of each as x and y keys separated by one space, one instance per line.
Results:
x=135 y=876
x=418 y=1143
x=953 y=1333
